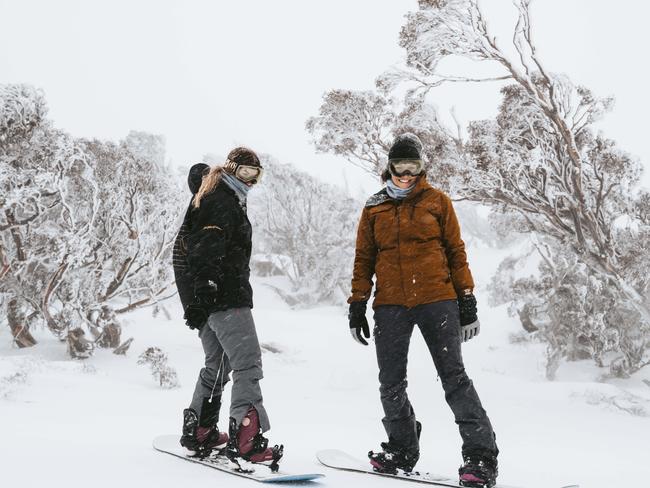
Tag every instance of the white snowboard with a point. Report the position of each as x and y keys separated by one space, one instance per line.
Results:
x=170 y=444
x=336 y=459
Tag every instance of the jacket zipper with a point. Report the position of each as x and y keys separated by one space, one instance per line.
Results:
x=399 y=251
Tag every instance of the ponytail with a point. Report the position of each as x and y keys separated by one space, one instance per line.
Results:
x=209 y=183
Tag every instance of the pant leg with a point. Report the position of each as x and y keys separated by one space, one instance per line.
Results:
x=440 y=325
x=392 y=333
x=212 y=378
x=235 y=330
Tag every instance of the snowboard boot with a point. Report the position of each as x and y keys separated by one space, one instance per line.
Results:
x=248 y=443
x=394 y=457
x=478 y=471
x=201 y=436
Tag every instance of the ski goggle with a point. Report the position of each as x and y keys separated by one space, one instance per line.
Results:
x=243 y=172
x=402 y=167
x=249 y=174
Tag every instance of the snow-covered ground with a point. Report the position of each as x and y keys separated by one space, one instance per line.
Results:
x=70 y=423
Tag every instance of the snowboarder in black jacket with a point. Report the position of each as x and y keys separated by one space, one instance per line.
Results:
x=216 y=242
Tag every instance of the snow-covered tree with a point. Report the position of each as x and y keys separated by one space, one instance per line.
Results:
x=307 y=228
x=356 y=125
x=85 y=227
x=135 y=225
x=569 y=308
x=157 y=361
x=147 y=147
x=32 y=177
x=519 y=165
x=361 y=126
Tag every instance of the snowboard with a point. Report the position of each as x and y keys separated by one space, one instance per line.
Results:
x=333 y=458
x=170 y=444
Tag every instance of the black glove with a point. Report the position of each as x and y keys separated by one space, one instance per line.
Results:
x=467 y=308
x=196 y=315
x=205 y=294
x=359 y=322
x=469 y=324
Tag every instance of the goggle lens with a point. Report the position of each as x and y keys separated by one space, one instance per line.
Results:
x=249 y=174
x=404 y=166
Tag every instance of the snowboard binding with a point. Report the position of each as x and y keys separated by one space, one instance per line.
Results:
x=478 y=471
x=247 y=443
x=198 y=440
x=277 y=451
x=393 y=456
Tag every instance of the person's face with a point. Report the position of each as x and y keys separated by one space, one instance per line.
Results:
x=249 y=175
x=403 y=182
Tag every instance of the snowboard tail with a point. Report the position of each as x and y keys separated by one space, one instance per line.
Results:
x=170 y=444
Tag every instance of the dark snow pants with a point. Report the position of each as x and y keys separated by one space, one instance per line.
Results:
x=230 y=344
x=440 y=325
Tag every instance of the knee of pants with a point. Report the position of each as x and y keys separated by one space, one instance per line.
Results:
x=209 y=377
x=393 y=375
x=247 y=360
x=252 y=372
x=393 y=392
x=214 y=359
x=455 y=380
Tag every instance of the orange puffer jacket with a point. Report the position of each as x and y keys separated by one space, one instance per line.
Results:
x=413 y=246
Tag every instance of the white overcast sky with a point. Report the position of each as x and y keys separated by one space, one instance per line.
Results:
x=210 y=75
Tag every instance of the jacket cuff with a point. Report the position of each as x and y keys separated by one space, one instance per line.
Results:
x=464 y=291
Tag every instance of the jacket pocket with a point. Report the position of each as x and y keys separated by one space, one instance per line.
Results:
x=384 y=227
x=425 y=225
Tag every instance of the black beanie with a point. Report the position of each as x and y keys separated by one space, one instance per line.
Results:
x=195 y=176
x=406 y=146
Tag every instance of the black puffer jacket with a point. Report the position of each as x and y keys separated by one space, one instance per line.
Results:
x=184 y=281
x=219 y=249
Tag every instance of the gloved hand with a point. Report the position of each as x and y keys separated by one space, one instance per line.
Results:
x=196 y=315
x=359 y=322
x=469 y=323
x=470 y=331
x=205 y=294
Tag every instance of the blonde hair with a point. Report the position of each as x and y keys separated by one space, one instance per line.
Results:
x=209 y=183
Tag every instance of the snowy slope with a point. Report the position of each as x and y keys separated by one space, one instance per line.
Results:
x=94 y=421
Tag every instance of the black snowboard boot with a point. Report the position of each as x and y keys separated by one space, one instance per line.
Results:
x=393 y=456
x=201 y=436
x=478 y=471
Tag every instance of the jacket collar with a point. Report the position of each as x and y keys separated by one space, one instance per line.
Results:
x=421 y=185
x=382 y=196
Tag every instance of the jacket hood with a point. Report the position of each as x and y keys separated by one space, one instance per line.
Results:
x=195 y=176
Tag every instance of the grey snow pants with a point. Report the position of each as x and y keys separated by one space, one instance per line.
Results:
x=230 y=344
x=439 y=324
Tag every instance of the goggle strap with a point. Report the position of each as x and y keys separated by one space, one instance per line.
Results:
x=230 y=166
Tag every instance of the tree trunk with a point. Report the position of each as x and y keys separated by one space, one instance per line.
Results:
x=78 y=346
x=4 y=263
x=124 y=347
x=526 y=320
x=19 y=329
x=51 y=287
